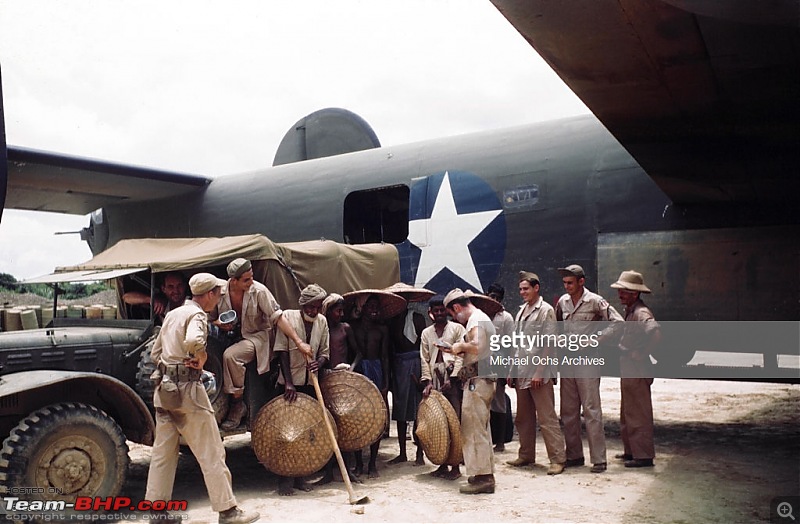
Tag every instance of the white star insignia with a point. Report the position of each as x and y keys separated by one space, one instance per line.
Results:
x=444 y=238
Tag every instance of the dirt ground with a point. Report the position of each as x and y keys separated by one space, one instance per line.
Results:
x=724 y=450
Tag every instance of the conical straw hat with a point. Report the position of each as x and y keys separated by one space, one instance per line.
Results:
x=486 y=304
x=357 y=406
x=411 y=293
x=432 y=430
x=455 y=454
x=290 y=438
x=390 y=304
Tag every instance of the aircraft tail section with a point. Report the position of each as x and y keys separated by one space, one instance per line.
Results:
x=327 y=132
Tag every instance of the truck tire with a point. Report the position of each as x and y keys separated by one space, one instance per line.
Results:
x=69 y=450
x=146 y=387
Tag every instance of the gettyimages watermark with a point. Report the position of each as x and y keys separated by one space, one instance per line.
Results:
x=36 y=505
x=647 y=349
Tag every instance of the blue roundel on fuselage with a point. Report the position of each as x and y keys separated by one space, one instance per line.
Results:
x=456 y=233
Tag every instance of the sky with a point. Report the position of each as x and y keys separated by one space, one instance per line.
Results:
x=211 y=87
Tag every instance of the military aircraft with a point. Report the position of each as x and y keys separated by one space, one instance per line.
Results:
x=687 y=172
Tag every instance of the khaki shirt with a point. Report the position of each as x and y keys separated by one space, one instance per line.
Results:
x=590 y=306
x=260 y=312
x=636 y=339
x=429 y=353
x=541 y=319
x=183 y=334
x=319 y=342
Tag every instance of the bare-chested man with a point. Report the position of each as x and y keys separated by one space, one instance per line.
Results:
x=373 y=339
x=344 y=354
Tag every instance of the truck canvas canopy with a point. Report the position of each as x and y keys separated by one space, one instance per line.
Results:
x=284 y=268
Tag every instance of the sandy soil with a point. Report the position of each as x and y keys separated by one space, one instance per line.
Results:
x=724 y=450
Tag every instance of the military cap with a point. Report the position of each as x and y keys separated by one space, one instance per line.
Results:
x=239 y=267
x=204 y=282
x=532 y=278
x=572 y=270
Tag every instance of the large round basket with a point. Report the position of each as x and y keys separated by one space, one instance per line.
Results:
x=357 y=406
x=290 y=438
x=456 y=454
x=432 y=430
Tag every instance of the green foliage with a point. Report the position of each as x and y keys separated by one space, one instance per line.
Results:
x=68 y=290
x=8 y=282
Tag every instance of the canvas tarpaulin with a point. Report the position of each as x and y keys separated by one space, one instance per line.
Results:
x=284 y=268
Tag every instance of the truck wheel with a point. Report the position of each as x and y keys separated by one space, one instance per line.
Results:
x=146 y=387
x=68 y=450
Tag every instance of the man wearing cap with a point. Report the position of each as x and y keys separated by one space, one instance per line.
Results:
x=478 y=391
x=296 y=365
x=577 y=308
x=257 y=310
x=534 y=382
x=182 y=404
x=636 y=372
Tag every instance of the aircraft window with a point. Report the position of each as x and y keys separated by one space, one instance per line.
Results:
x=376 y=215
x=527 y=196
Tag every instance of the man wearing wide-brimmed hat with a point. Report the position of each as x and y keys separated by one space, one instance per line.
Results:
x=257 y=310
x=636 y=371
x=478 y=391
x=577 y=308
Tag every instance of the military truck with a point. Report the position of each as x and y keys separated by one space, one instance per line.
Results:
x=74 y=392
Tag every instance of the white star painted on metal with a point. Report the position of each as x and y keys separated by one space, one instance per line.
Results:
x=444 y=238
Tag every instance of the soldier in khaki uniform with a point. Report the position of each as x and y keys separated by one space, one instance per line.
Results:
x=182 y=405
x=534 y=383
x=257 y=310
x=636 y=372
x=478 y=391
x=576 y=308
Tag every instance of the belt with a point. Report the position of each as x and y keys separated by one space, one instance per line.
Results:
x=180 y=373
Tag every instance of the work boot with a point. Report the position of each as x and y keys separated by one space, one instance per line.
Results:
x=519 y=462
x=235 y=515
x=482 y=484
x=639 y=463
x=555 y=468
x=571 y=463
x=237 y=412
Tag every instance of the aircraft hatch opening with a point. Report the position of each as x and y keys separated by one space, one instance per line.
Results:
x=376 y=215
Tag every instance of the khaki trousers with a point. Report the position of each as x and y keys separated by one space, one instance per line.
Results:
x=530 y=404
x=477 y=438
x=636 y=418
x=199 y=428
x=234 y=360
x=577 y=392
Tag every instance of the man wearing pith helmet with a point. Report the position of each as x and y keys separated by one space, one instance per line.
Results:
x=577 y=308
x=636 y=371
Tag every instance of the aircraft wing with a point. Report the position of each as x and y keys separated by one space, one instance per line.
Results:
x=704 y=95
x=44 y=181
